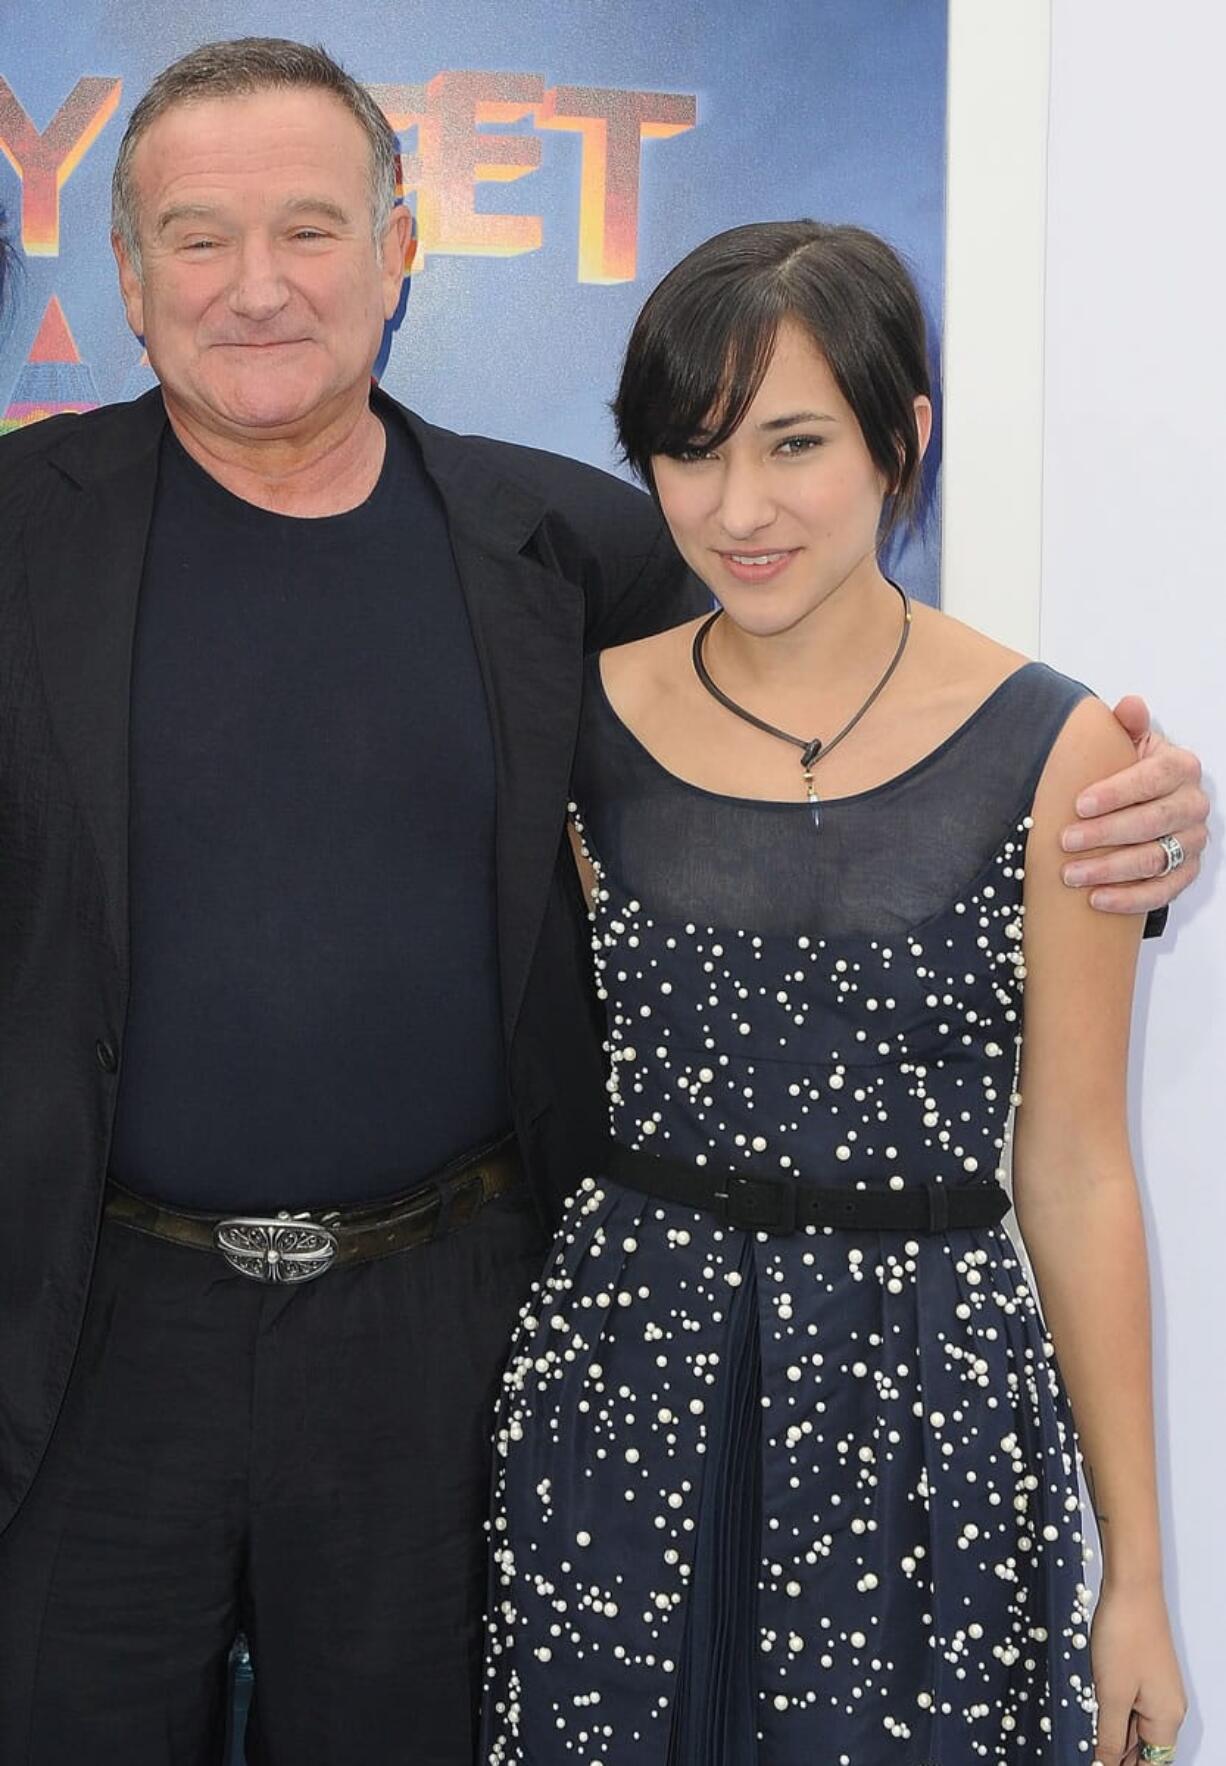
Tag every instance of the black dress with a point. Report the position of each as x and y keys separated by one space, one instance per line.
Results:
x=804 y=1500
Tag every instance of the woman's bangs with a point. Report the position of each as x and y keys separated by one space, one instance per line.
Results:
x=717 y=370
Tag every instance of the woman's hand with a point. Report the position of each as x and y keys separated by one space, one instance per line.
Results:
x=1136 y=1676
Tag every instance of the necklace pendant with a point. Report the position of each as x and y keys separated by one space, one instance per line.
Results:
x=814 y=749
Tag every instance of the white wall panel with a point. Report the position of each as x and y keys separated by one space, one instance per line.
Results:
x=1133 y=586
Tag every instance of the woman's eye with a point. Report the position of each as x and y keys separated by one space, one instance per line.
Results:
x=692 y=453
x=800 y=444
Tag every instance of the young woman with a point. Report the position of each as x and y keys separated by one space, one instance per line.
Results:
x=787 y=1470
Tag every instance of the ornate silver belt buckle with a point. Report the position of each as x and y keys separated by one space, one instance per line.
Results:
x=291 y=1248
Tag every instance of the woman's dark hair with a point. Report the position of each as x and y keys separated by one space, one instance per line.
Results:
x=703 y=342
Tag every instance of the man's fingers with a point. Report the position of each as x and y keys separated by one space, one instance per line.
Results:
x=1143 y=898
x=1133 y=713
x=1165 y=770
x=1132 y=864
x=1186 y=807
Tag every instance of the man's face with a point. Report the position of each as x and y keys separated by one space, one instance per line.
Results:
x=261 y=295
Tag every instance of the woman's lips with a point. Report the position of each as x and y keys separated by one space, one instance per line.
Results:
x=757 y=566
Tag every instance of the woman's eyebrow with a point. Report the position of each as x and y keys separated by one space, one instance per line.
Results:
x=798 y=417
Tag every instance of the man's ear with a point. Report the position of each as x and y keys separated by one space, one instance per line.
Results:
x=130 y=286
x=399 y=243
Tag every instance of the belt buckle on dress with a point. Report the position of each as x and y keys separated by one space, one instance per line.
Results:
x=759 y=1204
x=289 y=1248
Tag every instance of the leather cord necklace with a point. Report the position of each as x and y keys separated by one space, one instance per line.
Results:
x=815 y=749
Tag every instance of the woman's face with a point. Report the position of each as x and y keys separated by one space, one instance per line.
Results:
x=786 y=510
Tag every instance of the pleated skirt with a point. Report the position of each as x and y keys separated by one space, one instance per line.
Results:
x=782 y=1502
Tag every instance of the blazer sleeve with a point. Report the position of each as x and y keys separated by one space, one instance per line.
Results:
x=660 y=593
x=610 y=539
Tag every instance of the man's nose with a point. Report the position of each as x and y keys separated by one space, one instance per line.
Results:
x=258 y=290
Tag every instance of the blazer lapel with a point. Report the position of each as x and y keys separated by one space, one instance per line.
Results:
x=84 y=555
x=528 y=626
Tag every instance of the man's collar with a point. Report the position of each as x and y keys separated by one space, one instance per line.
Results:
x=478 y=494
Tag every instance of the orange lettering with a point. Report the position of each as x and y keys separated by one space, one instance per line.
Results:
x=45 y=162
x=612 y=125
x=454 y=155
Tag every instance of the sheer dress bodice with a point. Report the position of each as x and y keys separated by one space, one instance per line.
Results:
x=841 y=1002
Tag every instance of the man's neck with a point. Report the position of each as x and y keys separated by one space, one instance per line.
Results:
x=332 y=471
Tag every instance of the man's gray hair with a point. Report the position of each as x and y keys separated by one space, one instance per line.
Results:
x=238 y=69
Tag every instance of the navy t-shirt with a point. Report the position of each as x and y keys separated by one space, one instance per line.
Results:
x=314 y=1011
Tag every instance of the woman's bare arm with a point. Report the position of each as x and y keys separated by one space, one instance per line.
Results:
x=583 y=864
x=1077 y=1206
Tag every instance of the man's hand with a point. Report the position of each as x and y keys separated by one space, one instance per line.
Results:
x=1159 y=794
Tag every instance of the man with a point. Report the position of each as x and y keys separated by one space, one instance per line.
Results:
x=289 y=683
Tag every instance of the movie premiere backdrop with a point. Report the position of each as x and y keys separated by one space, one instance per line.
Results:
x=559 y=157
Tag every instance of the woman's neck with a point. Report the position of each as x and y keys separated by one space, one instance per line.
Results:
x=835 y=653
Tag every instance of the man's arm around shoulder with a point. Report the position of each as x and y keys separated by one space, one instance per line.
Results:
x=609 y=538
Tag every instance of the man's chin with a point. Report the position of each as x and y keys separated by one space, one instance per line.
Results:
x=251 y=409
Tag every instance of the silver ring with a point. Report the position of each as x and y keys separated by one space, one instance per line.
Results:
x=1175 y=854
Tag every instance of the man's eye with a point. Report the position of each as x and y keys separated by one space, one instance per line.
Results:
x=309 y=233
x=200 y=245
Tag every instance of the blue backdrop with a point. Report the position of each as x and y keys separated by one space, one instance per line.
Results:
x=600 y=142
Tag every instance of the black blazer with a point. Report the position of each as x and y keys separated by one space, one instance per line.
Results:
x=554 y=558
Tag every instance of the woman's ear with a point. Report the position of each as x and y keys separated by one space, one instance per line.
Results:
x=923 y=422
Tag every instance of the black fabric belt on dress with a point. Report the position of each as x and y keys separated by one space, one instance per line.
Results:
x=296 y=1247
x=786 y=1205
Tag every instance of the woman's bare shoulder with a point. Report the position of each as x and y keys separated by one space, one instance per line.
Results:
x=648 y=668
x=960 y=657
x=1091 y=746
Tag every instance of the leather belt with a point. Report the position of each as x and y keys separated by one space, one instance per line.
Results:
x=289 y=1247
x=786 y=1205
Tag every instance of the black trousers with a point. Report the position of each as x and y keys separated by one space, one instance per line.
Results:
x=308 y=1465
